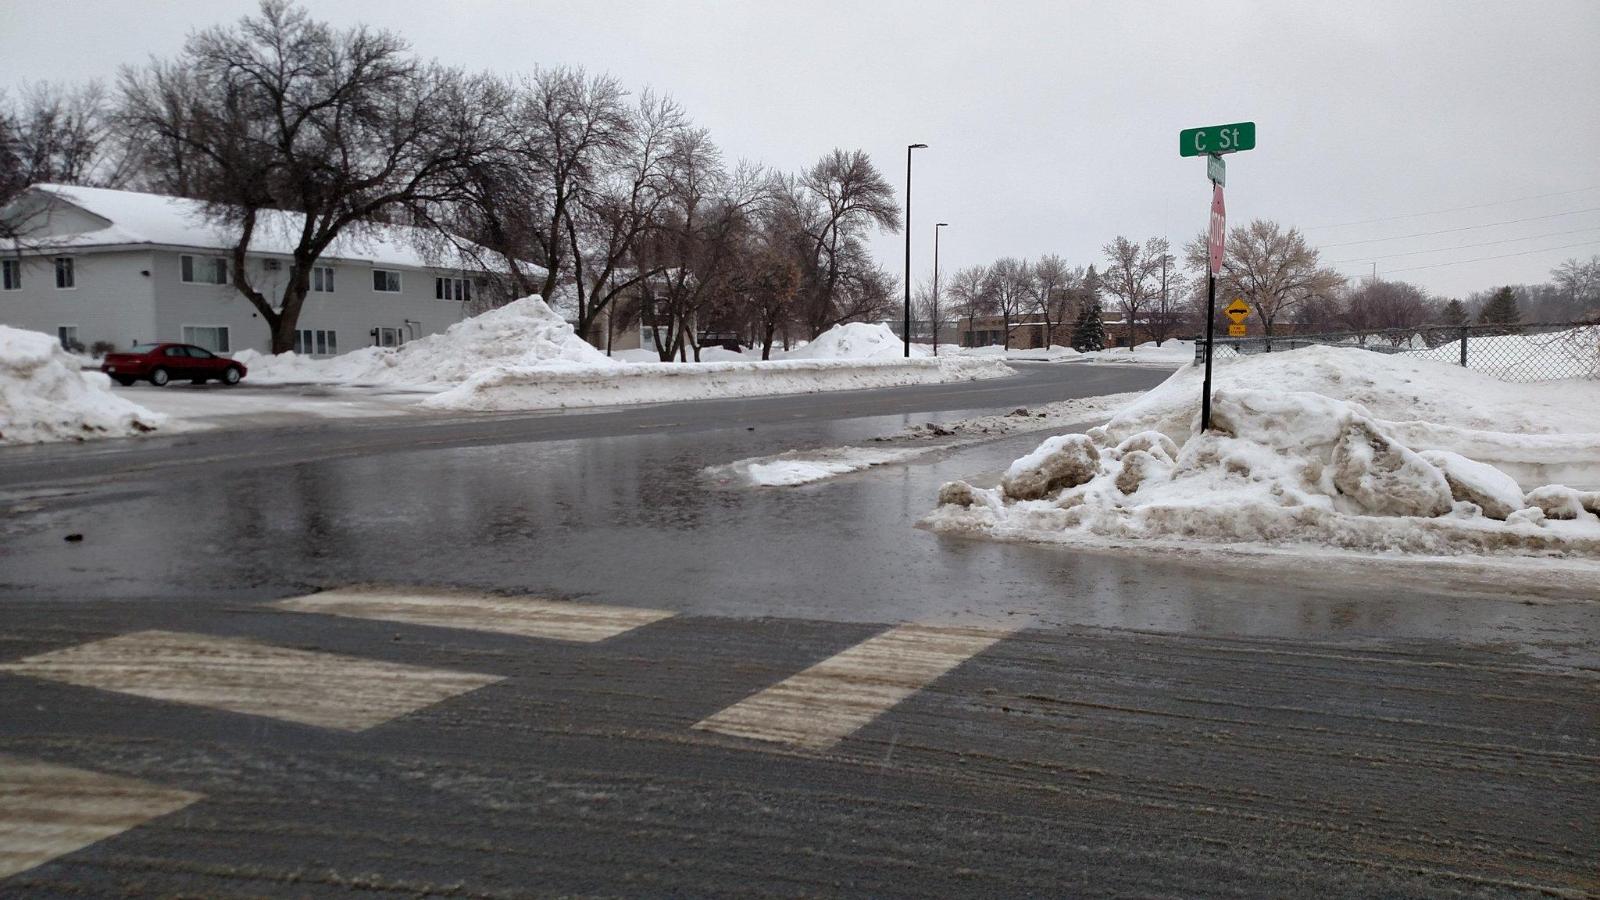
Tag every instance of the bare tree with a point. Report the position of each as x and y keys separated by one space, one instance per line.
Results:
x=1011 y=286
x=1132 y=277
x=696 y=250
x=622 y=204
x=1274 y=270
x=1052 y=284
x=837 y=202
x=1167 y=303
x=972 y=293
x=288 y=124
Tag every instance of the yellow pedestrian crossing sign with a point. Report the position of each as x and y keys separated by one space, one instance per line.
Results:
x=1238 y=310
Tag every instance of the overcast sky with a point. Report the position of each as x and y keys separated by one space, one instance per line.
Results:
x=1054 y=126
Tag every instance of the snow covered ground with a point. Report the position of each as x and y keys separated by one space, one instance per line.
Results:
x=1316 y=449
x=1170 y=354
x=523 y=356
x=45 y=395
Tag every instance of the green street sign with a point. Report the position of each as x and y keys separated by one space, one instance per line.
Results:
x=1217 y=139
x=1216 y=169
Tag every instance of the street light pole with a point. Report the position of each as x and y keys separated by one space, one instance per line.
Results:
x=907 y=323
x=935 y=307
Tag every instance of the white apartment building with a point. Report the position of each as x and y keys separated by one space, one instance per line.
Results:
x=98 y=266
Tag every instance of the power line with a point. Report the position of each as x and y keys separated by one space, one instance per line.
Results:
x=1531 y=237
x=1401 y=237
x=1501 y=256
x=1435 y=212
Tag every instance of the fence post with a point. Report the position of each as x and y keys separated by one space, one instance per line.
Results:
x=1463 y=346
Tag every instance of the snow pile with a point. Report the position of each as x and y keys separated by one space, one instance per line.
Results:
x=1326 y=447
x=1170 y=353
x=507 y=388
x=857 y=340
x=45 y=396
x=522 y=335
x=1055 y=353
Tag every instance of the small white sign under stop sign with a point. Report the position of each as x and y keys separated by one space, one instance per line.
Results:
x=1219 y=229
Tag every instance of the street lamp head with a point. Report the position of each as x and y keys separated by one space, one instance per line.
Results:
x=917 y=147
x=941 y=224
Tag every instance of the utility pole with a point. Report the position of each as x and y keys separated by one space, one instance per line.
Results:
x=907 y=323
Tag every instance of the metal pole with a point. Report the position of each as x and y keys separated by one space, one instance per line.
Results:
x=1211 y=327
x=935 y=307
x=907 y=323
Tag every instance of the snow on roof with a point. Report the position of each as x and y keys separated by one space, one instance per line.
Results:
x=133 y=217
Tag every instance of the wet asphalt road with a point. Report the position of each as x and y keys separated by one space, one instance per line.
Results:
x=1150 y=726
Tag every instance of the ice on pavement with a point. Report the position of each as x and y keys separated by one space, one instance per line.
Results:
x=1316 y=448
x=45 y=395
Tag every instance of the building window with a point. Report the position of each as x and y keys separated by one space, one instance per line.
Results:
x=203 y=269
x=386 y=281
x=316 y=342
x=322 y=279
x=452 y=289
x=66 y=279
x=68 y=335
x=389 y=337
x=11 y=274
x=210 y=337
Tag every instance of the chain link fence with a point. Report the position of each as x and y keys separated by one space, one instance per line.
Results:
x=1520 y=353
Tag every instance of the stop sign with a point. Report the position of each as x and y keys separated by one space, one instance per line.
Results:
x=1219 y=229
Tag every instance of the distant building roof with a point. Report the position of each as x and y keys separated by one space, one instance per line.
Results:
x=135 y=218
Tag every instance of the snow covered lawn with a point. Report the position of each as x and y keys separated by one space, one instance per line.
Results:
x=45 y=395
x=523 y=356
x=1315 y=449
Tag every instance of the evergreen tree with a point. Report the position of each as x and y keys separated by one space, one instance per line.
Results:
x=1454 y=313
x=1502 y=311
x=1089 y=333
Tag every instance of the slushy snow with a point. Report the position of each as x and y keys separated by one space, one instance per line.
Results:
x=1319 y=447
x=45 y=396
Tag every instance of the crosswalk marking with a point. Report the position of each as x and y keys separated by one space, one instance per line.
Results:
x=523 y=616
x=829 y=701
x=244 y=676
x=48 y=810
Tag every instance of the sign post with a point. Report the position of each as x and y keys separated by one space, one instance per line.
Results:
x=1215 y=243
x=1212 y=142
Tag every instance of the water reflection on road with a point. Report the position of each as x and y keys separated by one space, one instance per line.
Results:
x=629 y=520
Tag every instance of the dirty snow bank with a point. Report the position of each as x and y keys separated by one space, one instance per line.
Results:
x=1319 y=447
x=45 y=396
x=510 y=388
x=857 y=340
x=524 y=333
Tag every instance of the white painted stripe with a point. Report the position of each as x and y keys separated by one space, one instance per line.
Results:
x=831 y=700
x=244 y=676
x=47 y=810
x=523 y=616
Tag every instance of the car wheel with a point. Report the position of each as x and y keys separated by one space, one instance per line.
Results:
x=231 y=376
x=124 y=380
x=159 y=377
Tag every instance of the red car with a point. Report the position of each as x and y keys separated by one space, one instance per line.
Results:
x=160 y=363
